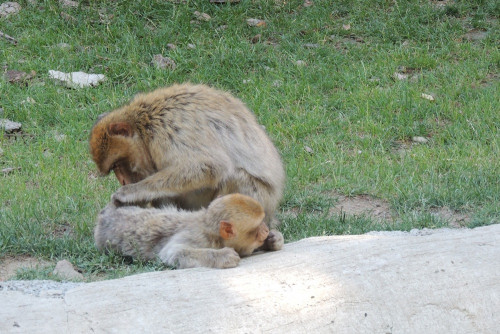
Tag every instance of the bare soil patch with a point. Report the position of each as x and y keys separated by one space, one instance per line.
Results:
x=369 y=206
x=61 y=230
x=454 y=218
x=359 y=205
x=10 y=264
x=380 y=210
x=362 y=205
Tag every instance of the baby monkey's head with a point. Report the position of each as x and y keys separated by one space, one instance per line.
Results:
x=240 y=220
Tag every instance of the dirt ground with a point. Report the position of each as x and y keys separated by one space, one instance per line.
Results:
x=9 y=265
x=378 y=209
x=362 y=205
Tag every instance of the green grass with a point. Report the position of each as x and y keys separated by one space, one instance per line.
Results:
x=344 y=104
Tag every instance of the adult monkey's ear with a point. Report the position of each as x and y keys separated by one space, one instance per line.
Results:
x=120 y=129
x=226 y=230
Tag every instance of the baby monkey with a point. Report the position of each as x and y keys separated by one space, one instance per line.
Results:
x=216 y=236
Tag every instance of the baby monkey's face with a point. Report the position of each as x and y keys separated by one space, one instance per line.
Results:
x=248 y=241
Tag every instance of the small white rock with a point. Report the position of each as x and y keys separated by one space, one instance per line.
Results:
x=300 y=63
x=256 y=22
x=400 y=76
x=28 y=100
x=68 y=3
x=9 y=170
x=191 y=46
x=171 y=46
x=428 y=97
x=311 y=45
x=65 y=270
x=9 y=126
x=9 y=8
x=63 y=46
x=59 y=137
x=277 y=83
x=202 y=16
x=246 y=81
x=308 y=149
x=77 y=79
x=163 y=62
x=420 y=140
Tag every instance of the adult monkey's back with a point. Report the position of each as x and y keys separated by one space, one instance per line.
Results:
x=188 y=144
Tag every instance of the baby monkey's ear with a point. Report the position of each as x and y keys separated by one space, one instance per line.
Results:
x=227 y=230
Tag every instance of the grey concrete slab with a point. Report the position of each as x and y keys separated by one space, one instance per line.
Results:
x=442 y=281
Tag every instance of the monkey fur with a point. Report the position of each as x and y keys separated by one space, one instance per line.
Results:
x=231 y=226
x=186 y=145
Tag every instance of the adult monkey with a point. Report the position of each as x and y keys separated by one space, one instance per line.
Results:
x=188 y=144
